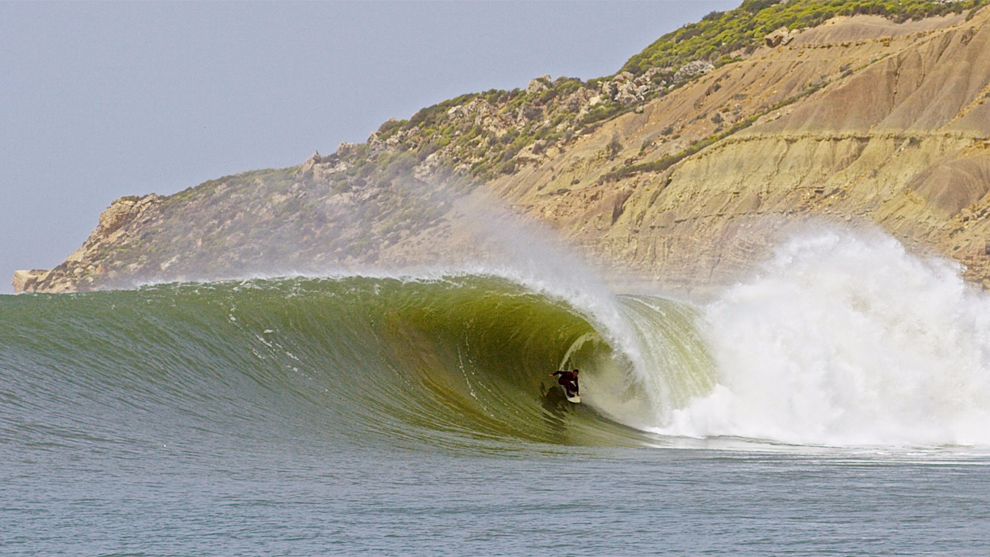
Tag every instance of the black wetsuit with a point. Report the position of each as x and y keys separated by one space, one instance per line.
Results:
x=569 y=380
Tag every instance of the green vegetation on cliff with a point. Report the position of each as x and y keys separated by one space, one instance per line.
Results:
x=485 y=132
x=721 y=34
x=490 y=134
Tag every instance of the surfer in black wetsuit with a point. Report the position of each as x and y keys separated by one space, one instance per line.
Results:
x=568 y=380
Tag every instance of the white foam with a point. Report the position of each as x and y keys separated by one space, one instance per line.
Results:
x=846 y=339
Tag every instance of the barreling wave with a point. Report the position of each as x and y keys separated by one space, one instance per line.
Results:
x=841 y=341
x=421 y=360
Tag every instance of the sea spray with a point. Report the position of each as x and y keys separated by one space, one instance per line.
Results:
x=847 y=339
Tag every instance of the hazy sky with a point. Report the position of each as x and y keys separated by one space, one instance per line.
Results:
x=101 y=100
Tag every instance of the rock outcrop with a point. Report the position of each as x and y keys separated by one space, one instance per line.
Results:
x=25 y=281
x=84 y=266
x=780 y=36
x=692 y=69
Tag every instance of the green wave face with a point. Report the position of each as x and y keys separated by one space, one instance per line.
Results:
x=432 y=361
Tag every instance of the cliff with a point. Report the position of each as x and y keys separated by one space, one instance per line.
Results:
x=860 y=121
x=684 y=174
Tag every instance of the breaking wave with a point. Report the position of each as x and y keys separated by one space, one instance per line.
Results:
x=841 y=340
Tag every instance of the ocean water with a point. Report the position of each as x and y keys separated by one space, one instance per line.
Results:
x=837 y=402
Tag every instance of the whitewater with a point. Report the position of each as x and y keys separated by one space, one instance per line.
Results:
x=848 y=340
x=836 y=400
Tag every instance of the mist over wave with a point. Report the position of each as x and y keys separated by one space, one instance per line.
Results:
x=841 y=339
x=847 y=339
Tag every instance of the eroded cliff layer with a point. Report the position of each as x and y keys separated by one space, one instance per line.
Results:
x=859 y=122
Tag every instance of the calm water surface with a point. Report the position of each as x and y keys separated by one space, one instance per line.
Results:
x=520 y=501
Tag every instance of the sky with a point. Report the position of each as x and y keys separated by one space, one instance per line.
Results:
x=102 y=100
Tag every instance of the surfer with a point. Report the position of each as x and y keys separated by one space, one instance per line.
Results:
x=568 y=380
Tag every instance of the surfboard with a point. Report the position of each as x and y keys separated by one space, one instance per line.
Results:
x=571 y=397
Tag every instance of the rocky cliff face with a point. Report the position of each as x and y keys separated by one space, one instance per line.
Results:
x=860 y=122
x=81 y=269
x=686 y=175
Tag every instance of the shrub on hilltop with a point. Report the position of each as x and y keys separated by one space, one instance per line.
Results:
x=485 y=135
x=721 y=34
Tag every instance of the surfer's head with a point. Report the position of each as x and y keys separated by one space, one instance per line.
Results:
x=575 y=371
